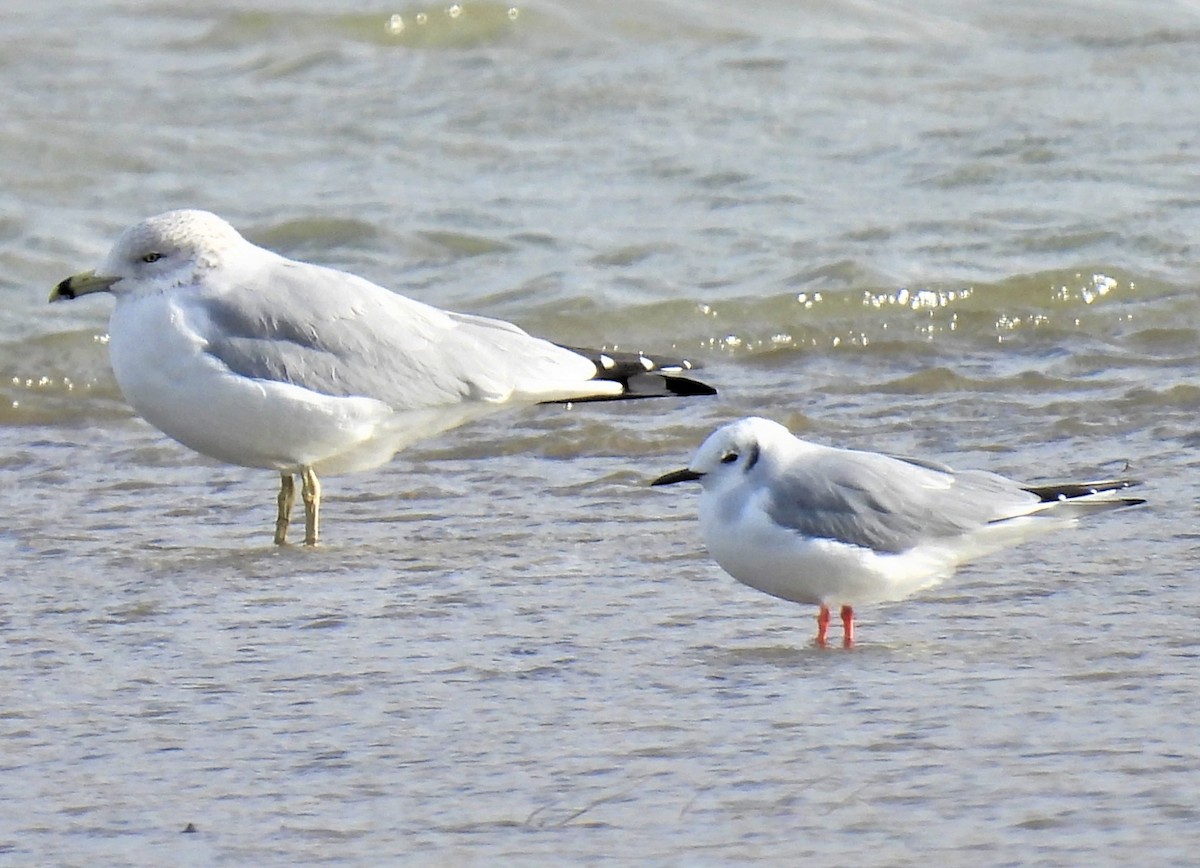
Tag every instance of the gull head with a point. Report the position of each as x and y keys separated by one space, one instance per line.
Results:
x=731 y=452
x=162 y=252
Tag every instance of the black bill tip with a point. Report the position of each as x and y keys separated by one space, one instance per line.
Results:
x=64 y=290
x=82 y=284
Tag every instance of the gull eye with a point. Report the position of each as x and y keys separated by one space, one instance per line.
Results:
x=729 y=457
x=152 y=257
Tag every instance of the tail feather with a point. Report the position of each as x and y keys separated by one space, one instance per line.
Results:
x=641 y=376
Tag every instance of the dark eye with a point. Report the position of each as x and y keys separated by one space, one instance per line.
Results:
x=729 y=457
x=152 y=257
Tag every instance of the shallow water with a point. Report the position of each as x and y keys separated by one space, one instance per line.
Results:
x=947 y=229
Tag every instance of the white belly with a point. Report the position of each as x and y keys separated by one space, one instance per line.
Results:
x=161 y=367
x=785 y=564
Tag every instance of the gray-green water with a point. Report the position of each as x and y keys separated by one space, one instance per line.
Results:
x=962 y=230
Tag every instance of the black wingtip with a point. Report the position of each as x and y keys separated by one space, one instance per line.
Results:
x=686 y=388
x=643 y=376
x=1071 y=490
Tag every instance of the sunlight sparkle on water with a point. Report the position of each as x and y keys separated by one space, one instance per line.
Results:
x=1093 y=288
x=396 y=24
x=1011 y=323
x=922 y=298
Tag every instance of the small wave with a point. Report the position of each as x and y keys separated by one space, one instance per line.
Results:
x=449 y=25
x=1092 y=301
x=58 y=379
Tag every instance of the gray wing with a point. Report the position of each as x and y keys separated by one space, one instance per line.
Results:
x=889 y=504
x=340 y=335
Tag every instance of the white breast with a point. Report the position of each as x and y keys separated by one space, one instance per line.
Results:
x=158 y=358
x=783 y=563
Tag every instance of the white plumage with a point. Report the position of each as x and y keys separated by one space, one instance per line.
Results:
x=255 y=359
x=839 y=527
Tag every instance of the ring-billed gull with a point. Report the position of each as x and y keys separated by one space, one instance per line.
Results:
x=255 y=359
x=828 y=527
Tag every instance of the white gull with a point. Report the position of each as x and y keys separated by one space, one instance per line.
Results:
x=255 y=359
x=838 y=527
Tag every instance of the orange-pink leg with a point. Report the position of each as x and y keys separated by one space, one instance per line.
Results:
x=822 y=625
x=847 y=626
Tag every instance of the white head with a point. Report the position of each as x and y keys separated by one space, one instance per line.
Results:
x=731 y=452
x=171 y=249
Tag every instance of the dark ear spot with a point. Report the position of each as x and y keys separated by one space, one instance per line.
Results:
x=752 y=457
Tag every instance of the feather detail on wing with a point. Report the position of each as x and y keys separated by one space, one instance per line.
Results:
x=337 y=334
x=889 y=505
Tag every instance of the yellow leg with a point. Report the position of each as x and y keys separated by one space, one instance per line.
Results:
x=287 y=497
x=312 y=504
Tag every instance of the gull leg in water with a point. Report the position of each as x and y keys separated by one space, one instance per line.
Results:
x=823 y=619
x=312 y=504
x=847 y=626
x=822 y=625
x=287 y=497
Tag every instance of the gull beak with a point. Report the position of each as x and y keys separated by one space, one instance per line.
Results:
x=685 y=475
x=81 y=284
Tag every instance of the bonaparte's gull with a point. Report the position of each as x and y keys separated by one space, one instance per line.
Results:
x=839 y=527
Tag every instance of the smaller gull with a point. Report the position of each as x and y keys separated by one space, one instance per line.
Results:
x=837 y=527
x=254 y=359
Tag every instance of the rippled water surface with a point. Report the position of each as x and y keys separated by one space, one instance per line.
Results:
x=962 y=230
